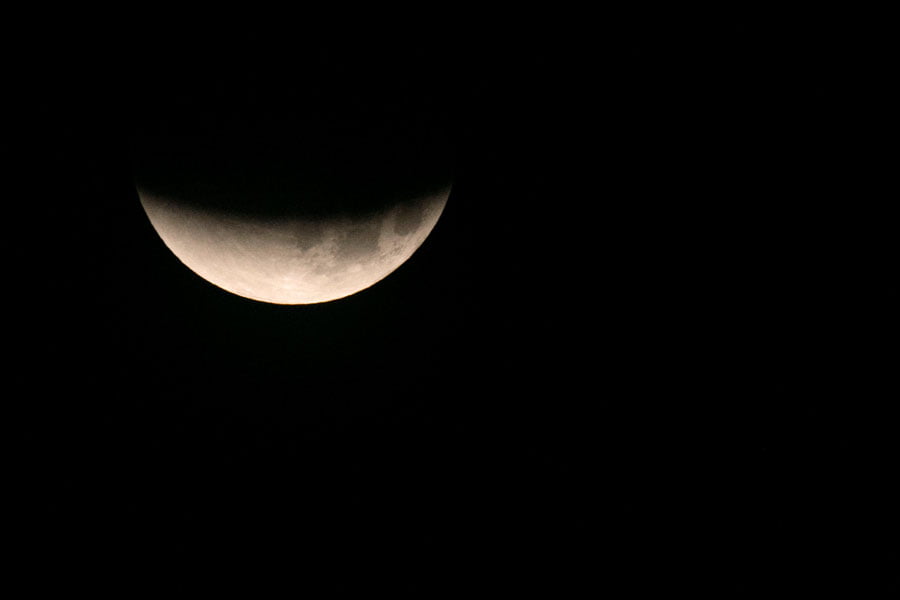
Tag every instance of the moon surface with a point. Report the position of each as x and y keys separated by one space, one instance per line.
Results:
x=293 y=259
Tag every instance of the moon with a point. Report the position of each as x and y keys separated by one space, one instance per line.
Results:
x=296 y=175
x=293 y=258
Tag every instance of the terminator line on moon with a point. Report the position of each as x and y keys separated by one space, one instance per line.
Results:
x=293 y=260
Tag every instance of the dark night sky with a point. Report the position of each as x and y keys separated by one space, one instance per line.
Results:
x=601 y=370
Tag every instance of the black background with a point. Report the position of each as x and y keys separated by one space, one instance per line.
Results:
x=610 y=367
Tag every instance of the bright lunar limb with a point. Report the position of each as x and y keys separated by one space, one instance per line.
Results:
x=293 y=260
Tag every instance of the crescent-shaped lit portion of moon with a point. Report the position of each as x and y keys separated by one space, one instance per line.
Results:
x=293 y=260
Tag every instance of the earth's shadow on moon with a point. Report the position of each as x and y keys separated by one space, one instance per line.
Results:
x=285 y=170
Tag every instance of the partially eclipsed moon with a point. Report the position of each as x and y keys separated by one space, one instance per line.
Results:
x=293 y=260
